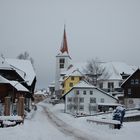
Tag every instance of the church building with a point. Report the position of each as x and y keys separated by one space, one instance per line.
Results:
x=62 y=64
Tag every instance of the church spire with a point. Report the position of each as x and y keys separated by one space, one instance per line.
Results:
x=64 y=45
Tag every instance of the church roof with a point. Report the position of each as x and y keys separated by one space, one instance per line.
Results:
x=64 y=45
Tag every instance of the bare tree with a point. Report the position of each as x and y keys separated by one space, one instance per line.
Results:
x=94 y=69
x=26 y=56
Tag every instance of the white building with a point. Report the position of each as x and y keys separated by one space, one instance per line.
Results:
x=62 y=63
x=110 y=83
x=84 y=98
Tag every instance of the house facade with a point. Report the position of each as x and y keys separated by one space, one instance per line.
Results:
x=71 y=80
x=112 y=82
x=131 y=87
x=84 y=98
x=17 y=84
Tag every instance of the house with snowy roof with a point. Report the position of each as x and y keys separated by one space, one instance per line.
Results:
x=84 y=98
x=17 y=84
x=110 y=83
x=131 y=87
x=39 y=96
x=70 y=80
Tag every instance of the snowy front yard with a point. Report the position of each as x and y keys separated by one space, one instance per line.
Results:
x=50 y=123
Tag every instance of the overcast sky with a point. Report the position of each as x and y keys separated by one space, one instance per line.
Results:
x=107 y=29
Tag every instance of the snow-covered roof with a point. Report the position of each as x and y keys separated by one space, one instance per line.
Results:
x=129 y=77
x=113 y=69
x=108 y=104
x=52 y=84
x=10 y=118
x=18 y=86
x=75 y=66
x=24 y=68
x=63 y=54
x=3 y=80
x=75 y=73
x=15 y=84
x=83 y=84
x=40 y=93
x=4 y=64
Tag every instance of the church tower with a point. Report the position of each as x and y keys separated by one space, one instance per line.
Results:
x=62 y=63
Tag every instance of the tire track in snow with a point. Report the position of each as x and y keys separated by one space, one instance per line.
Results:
x=66 y=128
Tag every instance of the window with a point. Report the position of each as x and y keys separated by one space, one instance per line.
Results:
x=91 y=92
x=92 y=108
x=110 y=86
x=81 y=100
x=77 y=92
x=69 y=99
x=129 y=91
x=75 y=107
x=80 y=78
x=102 y=100
x=61 y=66
x=120 y=84
x=81 y=107
x=75 y=100
x=72 y=78
x=92 y=100
x=69 y=106
x=101 y=85
x=70 y=84
x=132 y=81
x=84 y=92
x=136 y=81
x=62 y=60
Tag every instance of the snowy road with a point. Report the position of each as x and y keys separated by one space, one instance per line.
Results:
x=51 y=123
x=43 y=125
x=65 y=128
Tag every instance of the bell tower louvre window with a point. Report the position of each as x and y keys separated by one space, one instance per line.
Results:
x=62 y=62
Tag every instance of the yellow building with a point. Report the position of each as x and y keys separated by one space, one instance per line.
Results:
x=71 y=80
